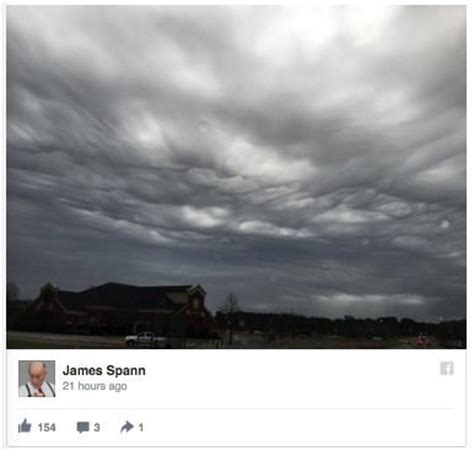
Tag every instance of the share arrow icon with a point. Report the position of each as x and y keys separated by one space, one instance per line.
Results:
x=126 y=427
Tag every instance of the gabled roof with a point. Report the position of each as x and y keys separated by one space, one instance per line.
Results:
x=119 y=295
x=197 y=288
x=70 y=300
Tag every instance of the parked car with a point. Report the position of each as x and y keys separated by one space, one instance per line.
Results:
x=424 y=341
x=145 y=340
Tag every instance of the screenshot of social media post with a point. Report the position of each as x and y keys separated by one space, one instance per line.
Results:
x=235 y=225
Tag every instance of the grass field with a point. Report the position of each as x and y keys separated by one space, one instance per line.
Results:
x=32 y=340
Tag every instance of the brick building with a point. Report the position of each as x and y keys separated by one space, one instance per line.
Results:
x=115 y=308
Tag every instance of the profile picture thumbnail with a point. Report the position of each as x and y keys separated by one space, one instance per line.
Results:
x=36 y=378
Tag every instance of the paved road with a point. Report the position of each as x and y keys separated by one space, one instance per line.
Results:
x=35 y=340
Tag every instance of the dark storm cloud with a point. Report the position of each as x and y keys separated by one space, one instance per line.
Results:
x=310 y=160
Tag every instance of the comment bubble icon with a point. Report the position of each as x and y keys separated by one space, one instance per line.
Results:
x=82 y=426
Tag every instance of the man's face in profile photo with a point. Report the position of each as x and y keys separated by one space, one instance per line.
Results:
x=37 y=372
x=37 y=384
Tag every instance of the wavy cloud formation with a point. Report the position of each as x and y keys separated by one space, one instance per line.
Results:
x=307 y=159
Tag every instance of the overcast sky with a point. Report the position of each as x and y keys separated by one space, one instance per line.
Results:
x=308 y=160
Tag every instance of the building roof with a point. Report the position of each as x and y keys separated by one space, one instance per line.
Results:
x=118 y=295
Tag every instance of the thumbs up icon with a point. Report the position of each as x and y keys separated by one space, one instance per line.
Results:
x=24 y=426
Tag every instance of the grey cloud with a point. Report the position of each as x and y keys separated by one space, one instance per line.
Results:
x=311 y=160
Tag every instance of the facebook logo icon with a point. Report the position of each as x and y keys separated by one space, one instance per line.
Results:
x=446 y=368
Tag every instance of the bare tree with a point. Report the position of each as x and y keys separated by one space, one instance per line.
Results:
x=12 y=291
x=230 y=308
